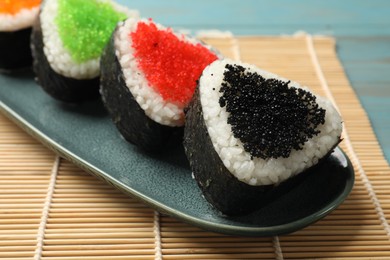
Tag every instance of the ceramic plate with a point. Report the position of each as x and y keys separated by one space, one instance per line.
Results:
x=85 y=135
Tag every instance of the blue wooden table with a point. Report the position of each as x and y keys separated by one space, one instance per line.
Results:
x=361 y=28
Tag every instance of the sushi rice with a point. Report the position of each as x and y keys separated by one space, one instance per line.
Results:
x=57 y=55
x=21 y=20
x=253 y=170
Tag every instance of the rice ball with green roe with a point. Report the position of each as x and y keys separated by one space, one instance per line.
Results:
x=67 y=42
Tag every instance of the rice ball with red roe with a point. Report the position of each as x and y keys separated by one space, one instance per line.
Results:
x=148 y=76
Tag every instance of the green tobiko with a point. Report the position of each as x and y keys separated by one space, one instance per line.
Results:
x=85 y=26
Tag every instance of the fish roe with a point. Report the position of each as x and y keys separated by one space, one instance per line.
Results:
x=171 y=65
x=269 y=117
x=85 y=27
x=15 y=6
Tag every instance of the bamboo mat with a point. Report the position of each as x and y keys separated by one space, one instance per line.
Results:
x=50 y=209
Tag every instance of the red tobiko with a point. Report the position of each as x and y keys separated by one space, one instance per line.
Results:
x=171 y=64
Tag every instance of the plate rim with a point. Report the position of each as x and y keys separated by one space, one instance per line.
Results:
x=162 y=208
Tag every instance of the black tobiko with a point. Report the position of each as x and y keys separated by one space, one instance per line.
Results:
x=269 y=117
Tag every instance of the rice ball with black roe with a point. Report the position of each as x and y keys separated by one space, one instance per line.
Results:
x=248 y=130
x=149 y=74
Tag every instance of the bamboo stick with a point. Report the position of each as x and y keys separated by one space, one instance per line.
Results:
x=99 y=241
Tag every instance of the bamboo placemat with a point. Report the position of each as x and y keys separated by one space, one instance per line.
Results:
x=50 y=209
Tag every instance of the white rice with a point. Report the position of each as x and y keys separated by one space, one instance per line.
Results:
x=259 y=171
x=58 y=56
x=21 y=20
x=151 y=101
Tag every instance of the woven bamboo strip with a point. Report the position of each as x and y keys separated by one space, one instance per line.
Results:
x=101 y=257
x=191 y=254
x=100 y=241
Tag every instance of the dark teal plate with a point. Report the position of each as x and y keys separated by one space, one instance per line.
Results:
x=85 y=135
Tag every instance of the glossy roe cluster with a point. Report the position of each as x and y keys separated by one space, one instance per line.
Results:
x=85 y=26
x=268 y=117
x=15 y=6
x=171 y=65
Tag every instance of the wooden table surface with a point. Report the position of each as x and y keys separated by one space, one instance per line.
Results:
x=361 y=28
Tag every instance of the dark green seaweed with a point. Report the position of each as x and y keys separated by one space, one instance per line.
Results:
x=221 y=188
x=15 y=52
x=130 y=119
x=224 y=191
x=59 y=87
